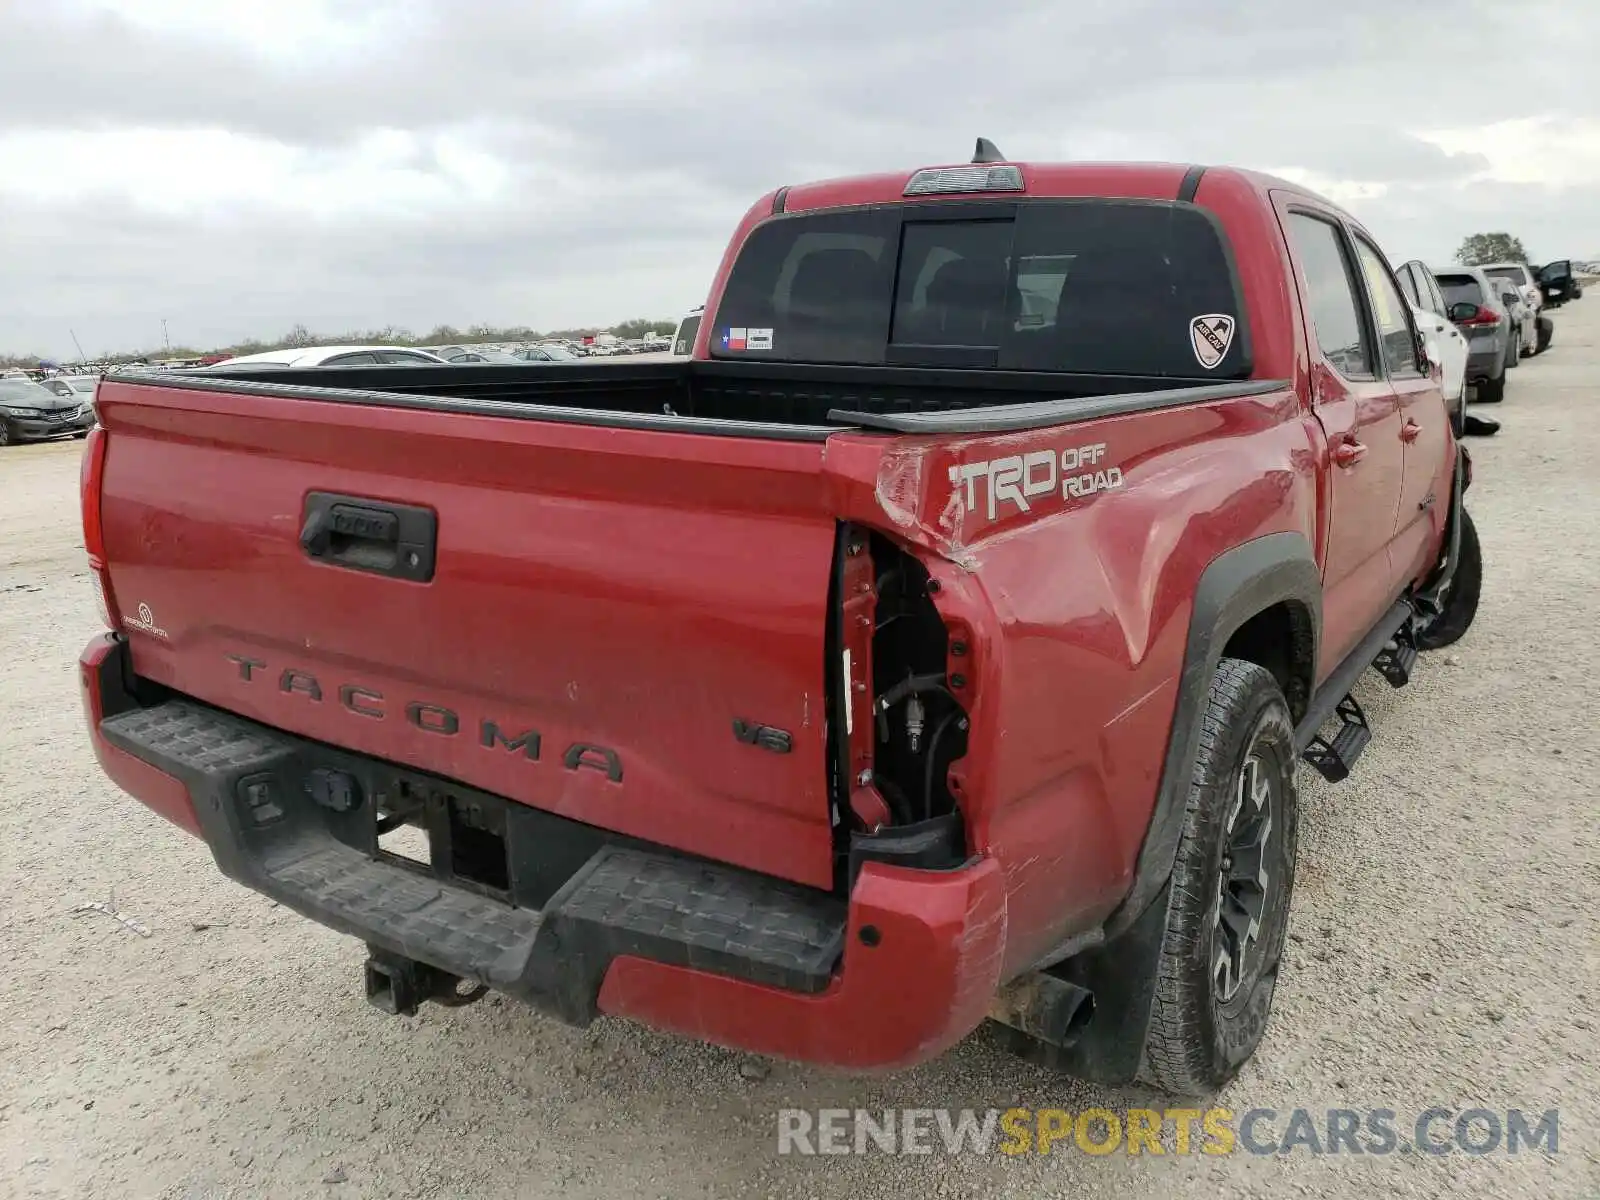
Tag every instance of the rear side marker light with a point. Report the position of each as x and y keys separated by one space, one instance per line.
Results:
x=940 y=181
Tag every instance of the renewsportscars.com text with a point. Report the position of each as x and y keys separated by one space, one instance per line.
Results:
x=1178 y=1131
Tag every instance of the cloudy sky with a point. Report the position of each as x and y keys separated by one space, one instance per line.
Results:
x=236 y=166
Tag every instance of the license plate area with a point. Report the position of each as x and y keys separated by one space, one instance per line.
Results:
x=456 y=835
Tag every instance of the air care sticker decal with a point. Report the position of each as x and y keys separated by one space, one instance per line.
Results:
x=1211 y=335
x=734 y=339
x=760 y=339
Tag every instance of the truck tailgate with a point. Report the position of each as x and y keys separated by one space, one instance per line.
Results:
x=609 y=608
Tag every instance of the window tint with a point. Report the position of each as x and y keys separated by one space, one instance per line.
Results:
x=400 y=356
x=1110 y=287
x=351 y=360
x=1460 y=289
x=1398 y=338
x=1335 y=311
x=821 y=285
x=1514 y=274
x=953 y=277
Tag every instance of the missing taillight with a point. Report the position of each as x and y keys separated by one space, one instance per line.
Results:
x=920 y=725
x=896 y=710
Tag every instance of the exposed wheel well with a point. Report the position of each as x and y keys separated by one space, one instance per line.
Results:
x=1282 y=640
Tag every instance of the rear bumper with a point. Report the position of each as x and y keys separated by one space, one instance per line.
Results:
x=1487 y=363
x=576 y=921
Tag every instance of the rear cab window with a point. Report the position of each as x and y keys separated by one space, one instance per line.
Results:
x=1082 y=286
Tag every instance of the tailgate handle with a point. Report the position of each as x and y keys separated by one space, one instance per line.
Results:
x=398 y=540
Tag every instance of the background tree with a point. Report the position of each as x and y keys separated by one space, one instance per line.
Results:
x=639 y=326
x=1483 y=248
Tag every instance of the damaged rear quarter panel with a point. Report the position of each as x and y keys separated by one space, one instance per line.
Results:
x=1079 y=598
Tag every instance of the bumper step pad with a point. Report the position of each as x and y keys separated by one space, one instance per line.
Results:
x=249 y=786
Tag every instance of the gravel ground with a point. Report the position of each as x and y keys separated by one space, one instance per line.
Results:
x=1444 y=945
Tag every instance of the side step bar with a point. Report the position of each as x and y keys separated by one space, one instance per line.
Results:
x=1390 y=647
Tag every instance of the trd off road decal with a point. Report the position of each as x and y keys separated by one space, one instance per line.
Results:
x=1211 y=335
x=1022 y=480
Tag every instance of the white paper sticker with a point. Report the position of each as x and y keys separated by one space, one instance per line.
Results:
x=849 y=698
x=760 y=339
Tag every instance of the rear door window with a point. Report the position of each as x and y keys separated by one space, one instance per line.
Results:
x=1331 y=282
x=1108 y=287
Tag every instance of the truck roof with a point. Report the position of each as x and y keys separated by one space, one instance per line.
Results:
x=1156 y=180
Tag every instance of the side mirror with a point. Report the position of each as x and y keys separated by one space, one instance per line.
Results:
x=1463 y=311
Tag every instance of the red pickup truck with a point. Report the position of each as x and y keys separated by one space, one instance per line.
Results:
x=937 y=643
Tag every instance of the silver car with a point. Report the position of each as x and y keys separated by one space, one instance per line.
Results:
x=1493 y=338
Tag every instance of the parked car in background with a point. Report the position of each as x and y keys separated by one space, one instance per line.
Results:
x=547 y=352
x=1558 y=283
x=82 y=387
x=473 y=354
x=1447 y=345
x=332 y=356
x=1523 y=276
x=1476 y=310
x=1523 y=317
x=32 y=412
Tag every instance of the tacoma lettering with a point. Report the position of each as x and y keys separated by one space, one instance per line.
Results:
x=435 y=719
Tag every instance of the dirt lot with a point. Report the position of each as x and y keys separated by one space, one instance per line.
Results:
x=1444 y=951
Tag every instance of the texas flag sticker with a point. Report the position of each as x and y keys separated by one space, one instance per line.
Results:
x=734 y=339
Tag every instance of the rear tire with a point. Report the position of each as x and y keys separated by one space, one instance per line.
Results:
x=1514 y=350
x=1545 y=329
x=1461 y=598
x=1231 y=883
x=1492 y=391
